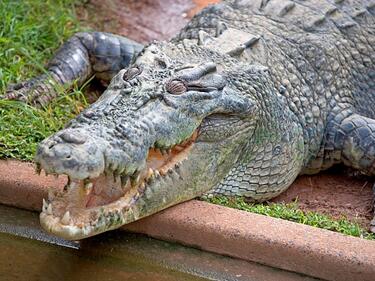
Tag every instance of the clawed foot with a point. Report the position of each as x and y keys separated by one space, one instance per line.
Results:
x=20 y=91
x=33 y=91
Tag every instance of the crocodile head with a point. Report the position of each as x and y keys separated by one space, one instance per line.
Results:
x=166 y=130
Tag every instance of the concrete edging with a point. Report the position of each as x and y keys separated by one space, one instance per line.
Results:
x=274 y=242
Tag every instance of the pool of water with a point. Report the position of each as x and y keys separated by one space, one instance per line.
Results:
x=28 y=253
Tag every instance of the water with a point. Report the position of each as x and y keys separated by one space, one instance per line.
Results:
x=28 y=253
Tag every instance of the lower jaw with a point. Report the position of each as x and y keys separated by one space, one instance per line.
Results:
x=71 y=232
x=88 y=221
x=91 y=221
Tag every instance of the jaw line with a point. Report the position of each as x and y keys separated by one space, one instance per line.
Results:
x=113 y=215
x=126 y=210
x=183 y=189
x=74 y=232
x=69 y=232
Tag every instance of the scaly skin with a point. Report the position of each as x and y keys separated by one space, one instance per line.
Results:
x=257 y=92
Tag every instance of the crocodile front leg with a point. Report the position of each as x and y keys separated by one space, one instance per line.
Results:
x=82 y=56
x=355 y=139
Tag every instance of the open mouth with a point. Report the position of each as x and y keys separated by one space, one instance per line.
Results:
x=83 y=207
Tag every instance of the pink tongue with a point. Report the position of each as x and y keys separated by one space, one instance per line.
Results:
x=104 y=191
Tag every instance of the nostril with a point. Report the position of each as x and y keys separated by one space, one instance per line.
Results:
x=68 y=157
x=73 y=137
x=51 y=146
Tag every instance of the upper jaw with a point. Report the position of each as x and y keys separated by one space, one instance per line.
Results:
x=71 y=214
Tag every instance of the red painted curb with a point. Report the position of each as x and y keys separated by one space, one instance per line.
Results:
x=274 y=242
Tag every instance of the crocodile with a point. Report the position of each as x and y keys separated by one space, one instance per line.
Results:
x=249 y=95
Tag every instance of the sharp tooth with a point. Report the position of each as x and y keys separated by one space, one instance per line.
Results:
x=88 y=187
x=157 y=173
x=137 y=179
x=66 y=218
x=169 y=151
x=150 y=172
x=45 y=205
x=49 y=209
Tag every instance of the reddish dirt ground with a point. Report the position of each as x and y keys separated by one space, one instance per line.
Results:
x=331 y=193
x=144 y=20
x=335 y=194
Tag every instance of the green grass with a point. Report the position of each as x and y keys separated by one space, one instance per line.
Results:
x=30 y=32
x=291 y=212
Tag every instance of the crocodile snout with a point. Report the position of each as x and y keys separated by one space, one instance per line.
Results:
x=72 y=152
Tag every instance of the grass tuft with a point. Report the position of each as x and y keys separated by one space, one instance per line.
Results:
x=22 y=127
x=30 y=32
x=291 y=212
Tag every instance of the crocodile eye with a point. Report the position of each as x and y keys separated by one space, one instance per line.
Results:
x=131 y=73
x=176 y=87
